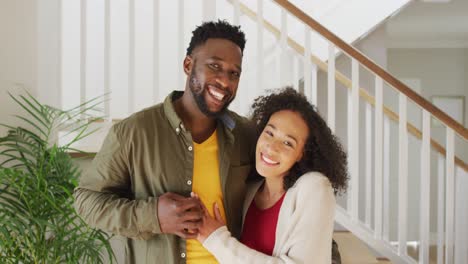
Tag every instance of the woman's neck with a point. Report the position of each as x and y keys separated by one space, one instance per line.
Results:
x=271 y=191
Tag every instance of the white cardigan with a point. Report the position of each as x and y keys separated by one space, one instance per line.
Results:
x=303 y=233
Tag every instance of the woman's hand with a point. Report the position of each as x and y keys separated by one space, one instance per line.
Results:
x=209 y=224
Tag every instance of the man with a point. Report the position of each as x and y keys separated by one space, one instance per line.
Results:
x=140 y=182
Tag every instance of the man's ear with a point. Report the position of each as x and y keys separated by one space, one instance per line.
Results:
x=188 y=64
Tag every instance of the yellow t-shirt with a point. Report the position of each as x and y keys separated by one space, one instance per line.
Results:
x=207 y=184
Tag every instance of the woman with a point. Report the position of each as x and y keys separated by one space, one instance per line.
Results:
x=289 y=207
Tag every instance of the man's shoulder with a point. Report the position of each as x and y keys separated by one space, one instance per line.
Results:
x=236 y=116
x=141 y=119
x=241 y=122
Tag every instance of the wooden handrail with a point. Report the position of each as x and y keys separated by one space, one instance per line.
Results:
x=347 y=83
x=373 y=67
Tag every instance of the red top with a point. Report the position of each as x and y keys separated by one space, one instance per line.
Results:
x=260 y=227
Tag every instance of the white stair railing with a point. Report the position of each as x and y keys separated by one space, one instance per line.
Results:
x=350 y=217
x=377 y=207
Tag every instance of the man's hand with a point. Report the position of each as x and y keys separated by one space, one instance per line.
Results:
x=179 y=215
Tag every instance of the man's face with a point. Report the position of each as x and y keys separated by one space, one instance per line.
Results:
x=214 y=69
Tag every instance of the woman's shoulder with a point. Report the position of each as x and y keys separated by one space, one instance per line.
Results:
x=312 y=186
x=313 y=178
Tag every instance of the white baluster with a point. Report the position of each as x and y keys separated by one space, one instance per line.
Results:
x=70 y=52
x=236 y=12
x=181 y=45
x=307 y=64
x=107 y=64
x=331 y=86
x=440 y=208
x=295 y=76
x=131 y=56
x=354 y=154
x=314 y=84
x=284 y=70
x=450 y=194
x=368 y=164
x=386 y=180
x=209 y=10
x=60 y=54
x=378 y=191
x=349 y=192
x=156 y=13
x=402 y=177
x=83 y=52
x=425 y=188
x=461 y=216
x=259 y=45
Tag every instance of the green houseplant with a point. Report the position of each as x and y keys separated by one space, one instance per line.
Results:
x=38 y=223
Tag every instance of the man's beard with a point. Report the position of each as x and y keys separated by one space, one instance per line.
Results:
x=198 y=94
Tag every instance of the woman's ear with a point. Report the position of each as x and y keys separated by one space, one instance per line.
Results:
x=188 y=64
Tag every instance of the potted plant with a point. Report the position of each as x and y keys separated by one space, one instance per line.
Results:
x=38 y=223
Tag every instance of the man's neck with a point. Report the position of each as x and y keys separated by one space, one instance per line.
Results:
x=200 y=126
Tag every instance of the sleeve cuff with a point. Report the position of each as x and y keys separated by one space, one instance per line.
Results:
x=147 y=216
x=214 y=238
x=154 y=208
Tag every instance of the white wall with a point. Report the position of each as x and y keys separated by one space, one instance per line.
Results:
x=18 y=54
x=442 y=71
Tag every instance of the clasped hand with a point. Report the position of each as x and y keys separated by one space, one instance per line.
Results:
x=187 y=217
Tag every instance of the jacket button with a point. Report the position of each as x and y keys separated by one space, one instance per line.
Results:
x=190 y=148
x=189 y=182
x=177 y=130
x=182 y=255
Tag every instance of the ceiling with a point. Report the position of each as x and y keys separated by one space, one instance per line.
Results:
x=429 y=24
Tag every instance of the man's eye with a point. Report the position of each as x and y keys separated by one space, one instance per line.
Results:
x=214 y=65
x=236 y=74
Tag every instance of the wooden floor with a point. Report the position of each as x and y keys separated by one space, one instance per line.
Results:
x=414 y=252
x=354 y=251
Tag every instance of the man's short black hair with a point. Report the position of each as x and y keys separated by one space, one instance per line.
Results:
x=216 y=29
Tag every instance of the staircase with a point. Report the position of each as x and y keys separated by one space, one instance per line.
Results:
x=388 y=206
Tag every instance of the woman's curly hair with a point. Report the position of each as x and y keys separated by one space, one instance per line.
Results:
x=322 y=151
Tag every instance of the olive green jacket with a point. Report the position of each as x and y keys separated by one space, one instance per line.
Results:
x=146 y=155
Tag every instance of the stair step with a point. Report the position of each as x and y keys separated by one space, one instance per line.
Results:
x=384 y=261
x=353 y=250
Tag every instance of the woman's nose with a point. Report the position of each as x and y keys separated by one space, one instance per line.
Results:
x=273 y=146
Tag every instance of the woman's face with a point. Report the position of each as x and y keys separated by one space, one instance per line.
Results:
x=281 y=144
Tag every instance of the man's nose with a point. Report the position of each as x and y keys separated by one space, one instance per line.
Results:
x=222 y=79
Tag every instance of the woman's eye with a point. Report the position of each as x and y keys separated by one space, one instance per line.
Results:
x=289 y=144
x=269 y=133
